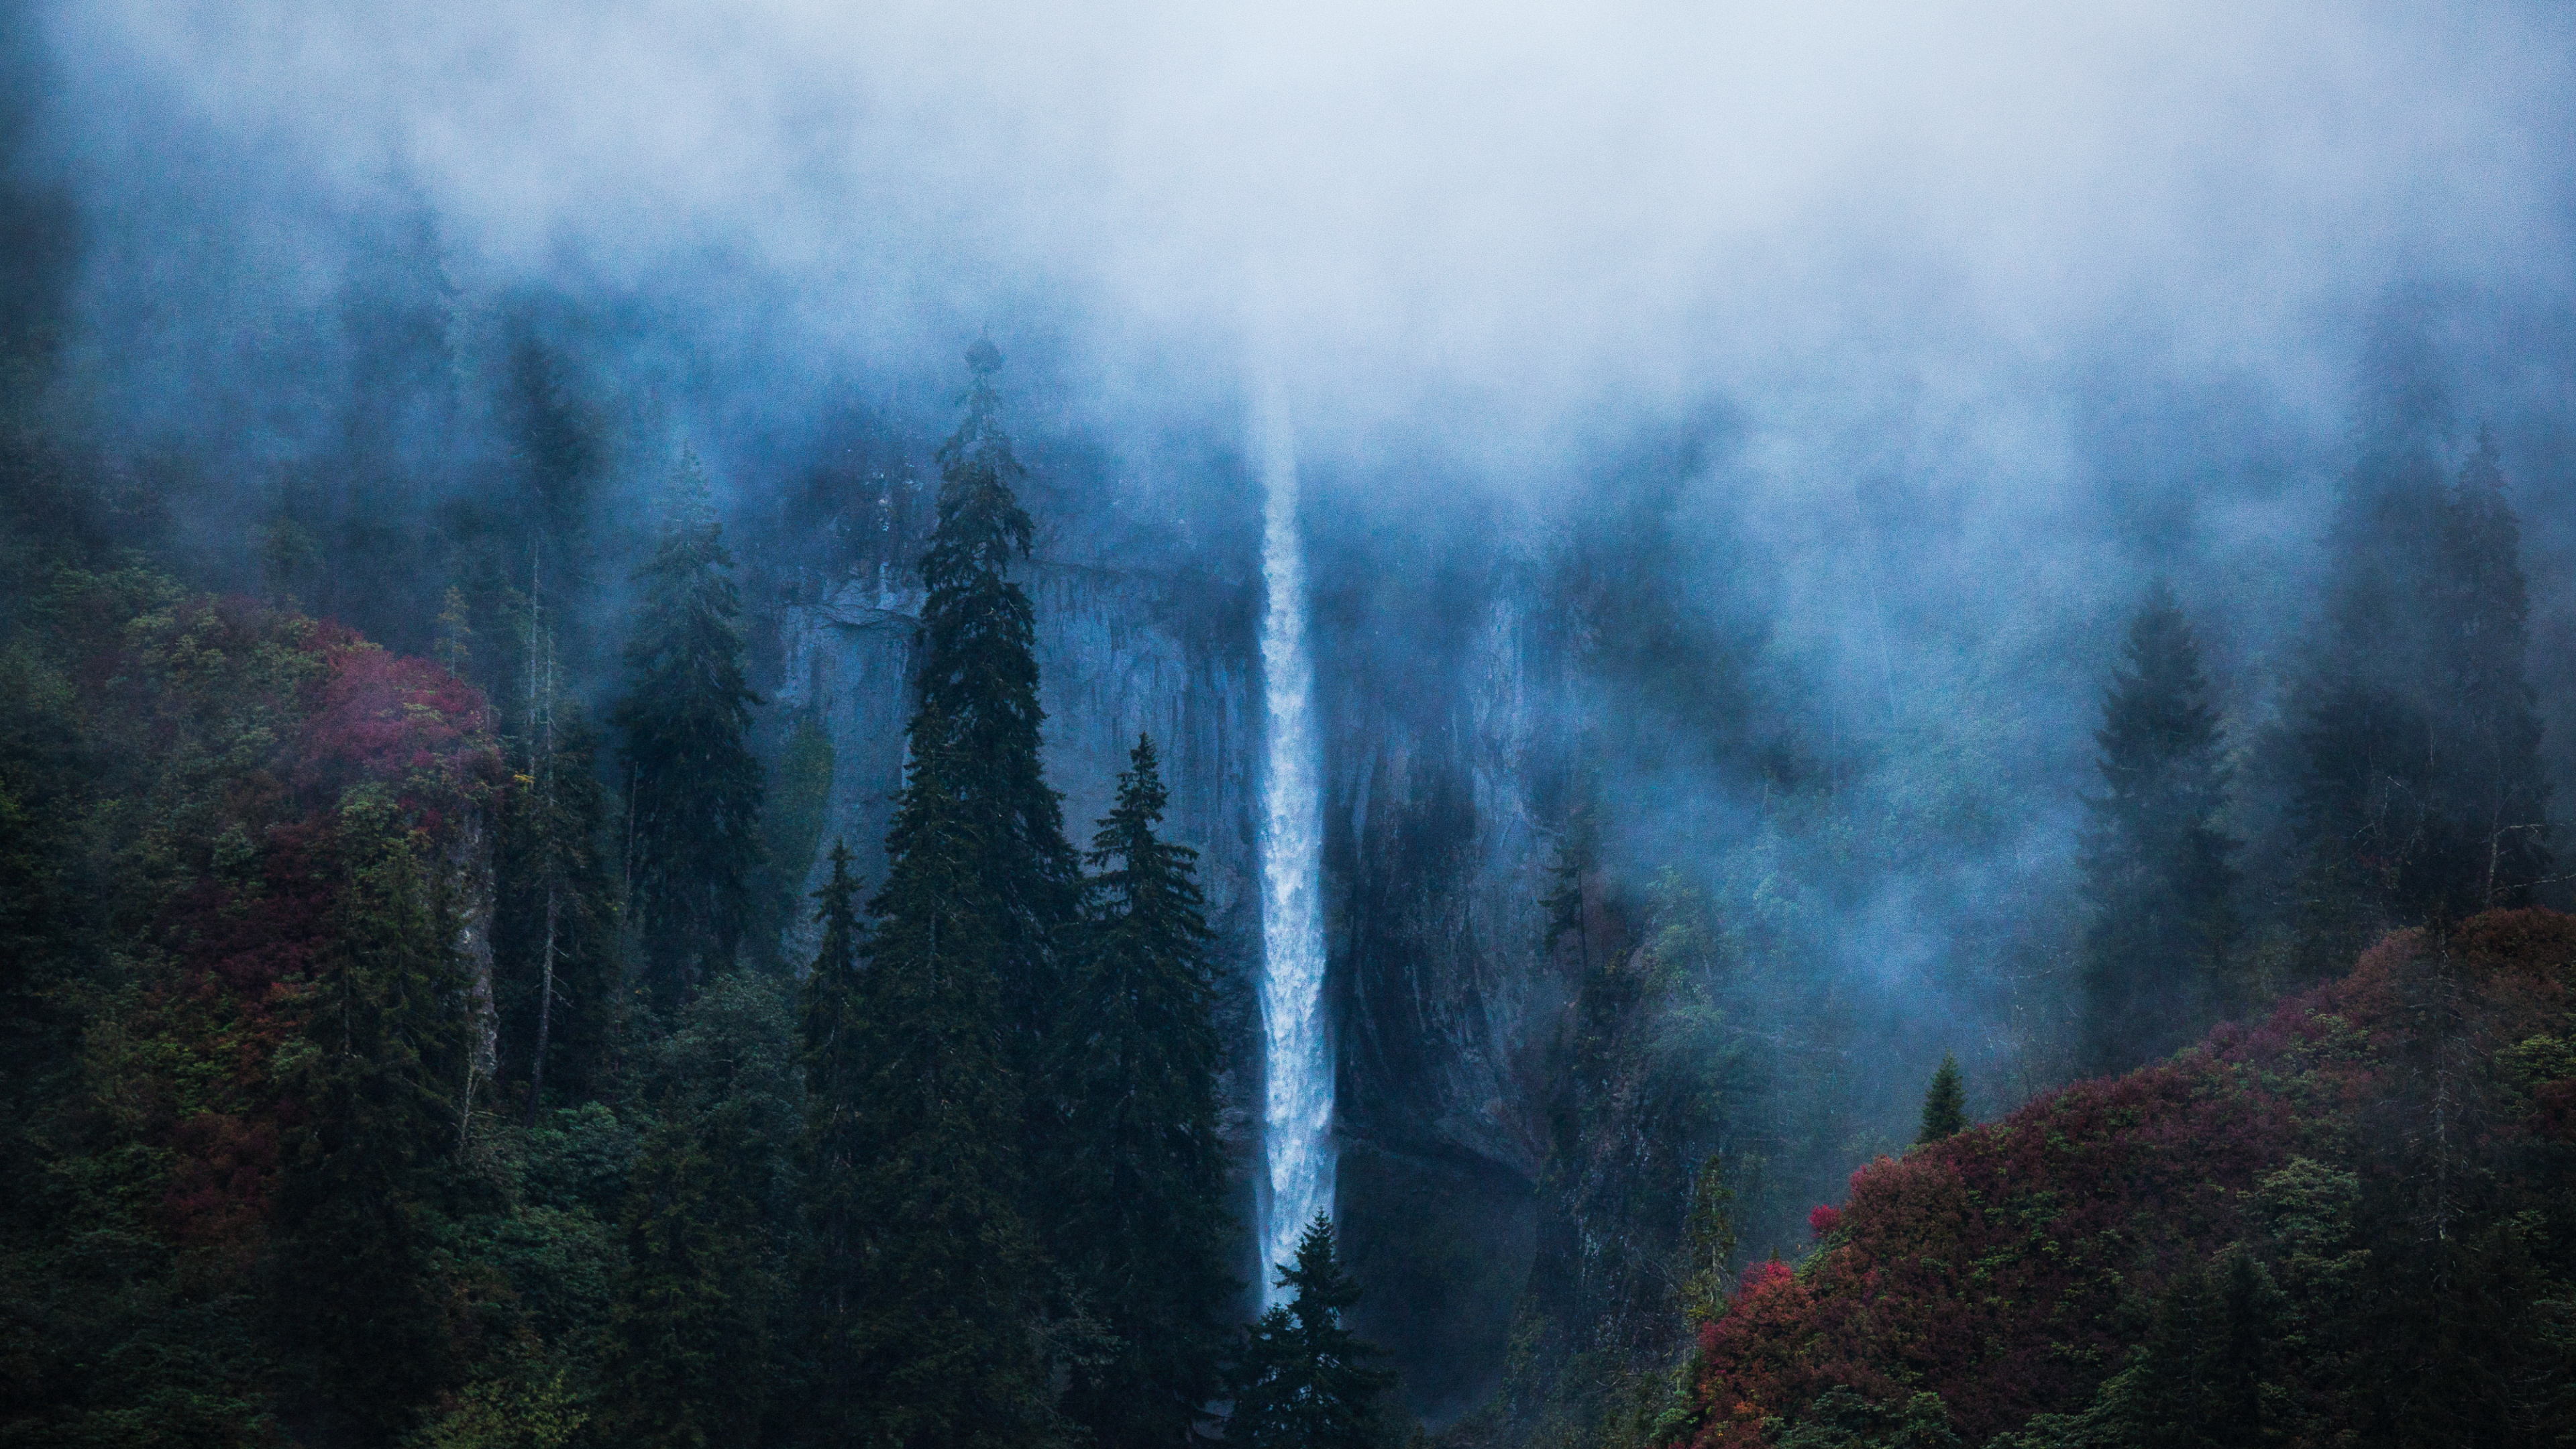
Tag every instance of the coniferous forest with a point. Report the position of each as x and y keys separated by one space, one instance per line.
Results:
x=1531 y=730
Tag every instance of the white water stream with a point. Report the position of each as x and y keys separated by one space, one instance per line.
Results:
x=1298 y=1049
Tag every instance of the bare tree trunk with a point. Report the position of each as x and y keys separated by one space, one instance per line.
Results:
x=545 y=1007
x=541 y=709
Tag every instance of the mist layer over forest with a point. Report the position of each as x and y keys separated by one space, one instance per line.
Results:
x=1733 y=453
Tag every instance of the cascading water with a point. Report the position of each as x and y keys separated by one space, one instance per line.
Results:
x=1298 y=1109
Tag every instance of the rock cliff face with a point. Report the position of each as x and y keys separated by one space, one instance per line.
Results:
x=1441 y=749
x=1435 y=859
x=1118 y=654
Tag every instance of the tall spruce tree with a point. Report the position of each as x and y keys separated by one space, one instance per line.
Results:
x=1139 y=1172
x=1945 y=1103
x=979 y=679
x=2158 y=879
x=831 y=1028
x=1303 y=1380
x=2502 y=792
x=554 y=931
x=939 y=1337
x=692 y=1350
x=2416 y=790
x=693 y=785
x=377 y=1078
x=961 y=957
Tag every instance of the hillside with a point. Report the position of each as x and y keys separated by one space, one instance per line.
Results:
x=245 y=877
x=2348 y=1222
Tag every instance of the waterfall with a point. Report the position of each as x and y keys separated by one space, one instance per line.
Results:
x=1298 y=1052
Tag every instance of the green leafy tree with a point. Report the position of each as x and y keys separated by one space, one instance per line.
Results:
x=1945 y=1103
x=2158 y=880
x=1841 y=1419
x=1140 y=1171
x=693 y=785
x=1302 y=1380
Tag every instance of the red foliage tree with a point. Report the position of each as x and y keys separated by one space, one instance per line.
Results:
x=2009 y=1268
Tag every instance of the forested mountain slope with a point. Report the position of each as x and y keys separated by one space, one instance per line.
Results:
x=248 y=995
x=2350 y=1221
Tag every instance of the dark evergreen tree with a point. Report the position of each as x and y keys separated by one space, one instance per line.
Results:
x=963 y=971
x=554 y=928
x=831 y=1028
x=694 y=1334
x=379 y=1075
x=2158 y=880
x=1302 y=1380
x=2208 y=1376
x=2417 y=791
x=675 y=1361
x=554 y=441
x=939 y=1339
x=1945 y=1103
x=2503 y=794
x=979 y=677
x=1138 y=1172
x=693 y=785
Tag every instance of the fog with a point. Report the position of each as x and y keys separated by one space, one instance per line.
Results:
x=1497 y=229
x=1947 y=327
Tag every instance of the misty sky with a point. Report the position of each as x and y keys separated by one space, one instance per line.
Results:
x=1506 y=222
x=1998 y=305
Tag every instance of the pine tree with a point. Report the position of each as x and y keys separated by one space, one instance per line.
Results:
x=962 y=972
x=831 y=1027
x=2158 y=878
x=1302 y=1381
x=377 y=1078
x=2503 y=792
x=938 y=1338
x=979 y=678
x=1140 y=1172
x=1945 y=1103
x=555 y=923
x=2417 y=791
x=2203 y=1381
x=693 y=785
x=676 y=1331
x=554 y=933
x=695 y=1319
